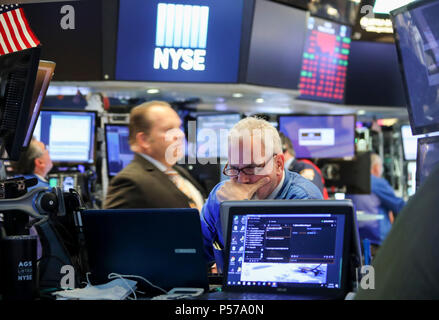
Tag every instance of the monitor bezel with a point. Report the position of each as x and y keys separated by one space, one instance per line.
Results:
x=49 y=68
x=322 y=115
x=422 y=141
x=416 y=130
x=311 y=208
x=106 y=125
x=94 y=140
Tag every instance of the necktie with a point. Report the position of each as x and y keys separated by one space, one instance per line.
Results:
x=195 y=201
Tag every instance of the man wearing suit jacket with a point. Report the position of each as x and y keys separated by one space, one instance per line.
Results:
x=152 y=180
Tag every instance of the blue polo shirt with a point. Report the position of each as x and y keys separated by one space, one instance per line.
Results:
x=294 y=187
x=381 y=200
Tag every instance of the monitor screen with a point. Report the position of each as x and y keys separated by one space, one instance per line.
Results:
x=119 y=154
x=409 y=143
x=70 y=135
x=286 y=250
x=212 y=133
x=276 y=26
x=374 y=65
x=182 y=41
x=350 y=177
x=53 y=182
x=324 y=136
x=417 y=38
x=325 y=61
x=68 y=183
x=428 y=158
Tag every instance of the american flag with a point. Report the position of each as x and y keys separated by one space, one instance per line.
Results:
x=15 y=32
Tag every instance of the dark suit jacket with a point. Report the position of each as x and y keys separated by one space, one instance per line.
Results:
x=142 y=185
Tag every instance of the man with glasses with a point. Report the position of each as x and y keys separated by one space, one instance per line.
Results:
x=256 y=170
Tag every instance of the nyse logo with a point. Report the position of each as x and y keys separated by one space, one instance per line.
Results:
x=181 y=37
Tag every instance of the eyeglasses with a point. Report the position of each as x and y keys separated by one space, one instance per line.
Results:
x=249 y=171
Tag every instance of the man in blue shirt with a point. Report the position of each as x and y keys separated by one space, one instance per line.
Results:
x=381 y=202
x=256 y=170
x=35 y=162
x=407 y=263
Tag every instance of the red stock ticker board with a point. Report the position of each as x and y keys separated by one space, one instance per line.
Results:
x=325 y=61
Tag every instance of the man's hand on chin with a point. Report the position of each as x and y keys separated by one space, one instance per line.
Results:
x=232 y=190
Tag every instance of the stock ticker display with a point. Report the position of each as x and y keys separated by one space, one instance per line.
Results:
x=325 y=61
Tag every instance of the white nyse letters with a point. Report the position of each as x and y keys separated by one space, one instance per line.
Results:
x=187 y=59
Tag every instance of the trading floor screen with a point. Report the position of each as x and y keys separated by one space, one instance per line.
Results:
x=325 y=61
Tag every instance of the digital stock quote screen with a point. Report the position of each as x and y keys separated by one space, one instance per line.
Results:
x=325 y=61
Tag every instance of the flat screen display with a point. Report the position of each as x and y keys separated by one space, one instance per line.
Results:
x=179 y=41
x=374 y=65
x=286 y=250
x=70 y=135
x=212 y=133
x=323 y=136
x=119 y=154
x=428 y=158
x=276 y=45
x=325 y=61
x=417 y=37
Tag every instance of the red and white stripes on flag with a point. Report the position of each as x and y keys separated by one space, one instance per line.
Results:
x=15 y=32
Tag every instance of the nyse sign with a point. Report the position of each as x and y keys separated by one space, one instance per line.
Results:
x=181 y=37
x=187 y=59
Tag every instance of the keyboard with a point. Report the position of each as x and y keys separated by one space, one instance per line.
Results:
x=256 y=296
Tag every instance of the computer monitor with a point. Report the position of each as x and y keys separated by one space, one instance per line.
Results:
x=320 y=136
x=428 y=158
x=70 y=135
x=352 y=177
x=212 y=133
x=44 y=76
x=68 y=182
x=207 y=175
x=417 y=38
x=300 y=244
x=164 y=246
x=325 y=61
x=409 y=143
x=18 y=72
x=119 y=154
x=179 y=41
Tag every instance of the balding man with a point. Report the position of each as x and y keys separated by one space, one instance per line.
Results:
x=381 y=201
x=35 y=162
x=256 y=171
x=152 y=180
